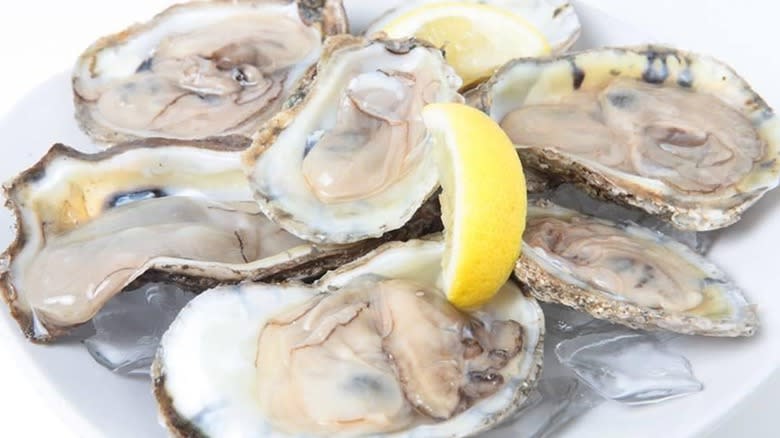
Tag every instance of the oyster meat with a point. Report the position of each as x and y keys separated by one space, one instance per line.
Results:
x=353 y=160
x=373 y=348
x=201 y=69
x=169 y=210
x=677 y=134
x=628 y=274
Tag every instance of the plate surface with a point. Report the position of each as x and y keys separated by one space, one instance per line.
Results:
x=98 y=403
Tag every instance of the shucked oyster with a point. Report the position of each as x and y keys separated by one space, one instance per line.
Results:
x=555 y=19
x=182 y=211
x=201 y=69
x=353 y=160
x=373 y=350
x=676 y=134
x=628 y=274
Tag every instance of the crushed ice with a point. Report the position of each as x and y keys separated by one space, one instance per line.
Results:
x=588 y=361
x=128 y=329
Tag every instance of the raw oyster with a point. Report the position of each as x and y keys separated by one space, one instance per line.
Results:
x=353 y=160
x=201 y=69
x=677 y=134
x=628 y=274
x=156 y=210
x=555 y=19
x=569 y=196
x=391 y=357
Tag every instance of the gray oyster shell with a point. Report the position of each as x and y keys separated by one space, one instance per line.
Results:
x=525 y=82
x=551 y=277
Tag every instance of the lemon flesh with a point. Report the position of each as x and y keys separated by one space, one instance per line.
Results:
x=477 y=38
x=483 y=202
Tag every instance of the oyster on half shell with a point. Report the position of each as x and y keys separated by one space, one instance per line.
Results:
x=155 y=210
x=679 y=135
x=555 y=19
x=201 y=69
x=352 y=159
x=372 y=349
x=628 y=274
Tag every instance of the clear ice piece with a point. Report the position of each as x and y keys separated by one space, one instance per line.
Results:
x=563 y=323
x=627 y=366
x=128 y=329
x=598 y=361
x=571 y=197
x=556 y=401
x=559 y=396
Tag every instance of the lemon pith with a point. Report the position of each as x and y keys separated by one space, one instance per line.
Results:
x=483 y=202
x=476 y=38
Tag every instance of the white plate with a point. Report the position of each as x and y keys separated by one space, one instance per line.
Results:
x=97 y=403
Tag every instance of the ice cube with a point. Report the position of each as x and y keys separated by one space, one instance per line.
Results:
x=559 y=396
x=128 y=329
x=555 y=402
x=587 y=361
x=563 y=322
x=627 y=366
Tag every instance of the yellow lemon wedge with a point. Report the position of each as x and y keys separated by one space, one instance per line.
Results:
x=483 y=201
x=477 y=38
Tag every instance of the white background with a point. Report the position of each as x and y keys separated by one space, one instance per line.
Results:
x=42 y=37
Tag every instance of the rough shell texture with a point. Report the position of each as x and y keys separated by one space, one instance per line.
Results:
x=548 y=286
x=651 y=64
x=537 y=182
x=327 y=15
x=536 y=281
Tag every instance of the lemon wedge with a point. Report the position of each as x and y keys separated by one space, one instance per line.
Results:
x=483 y=201
x=477 y=38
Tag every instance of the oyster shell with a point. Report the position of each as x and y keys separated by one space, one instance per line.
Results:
x=200 y=69
x=352 y=160
x=537 y=182
x=392 y=357
x=555 y=19
x=628 y=274
x=156 y=210
x=677 y=134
